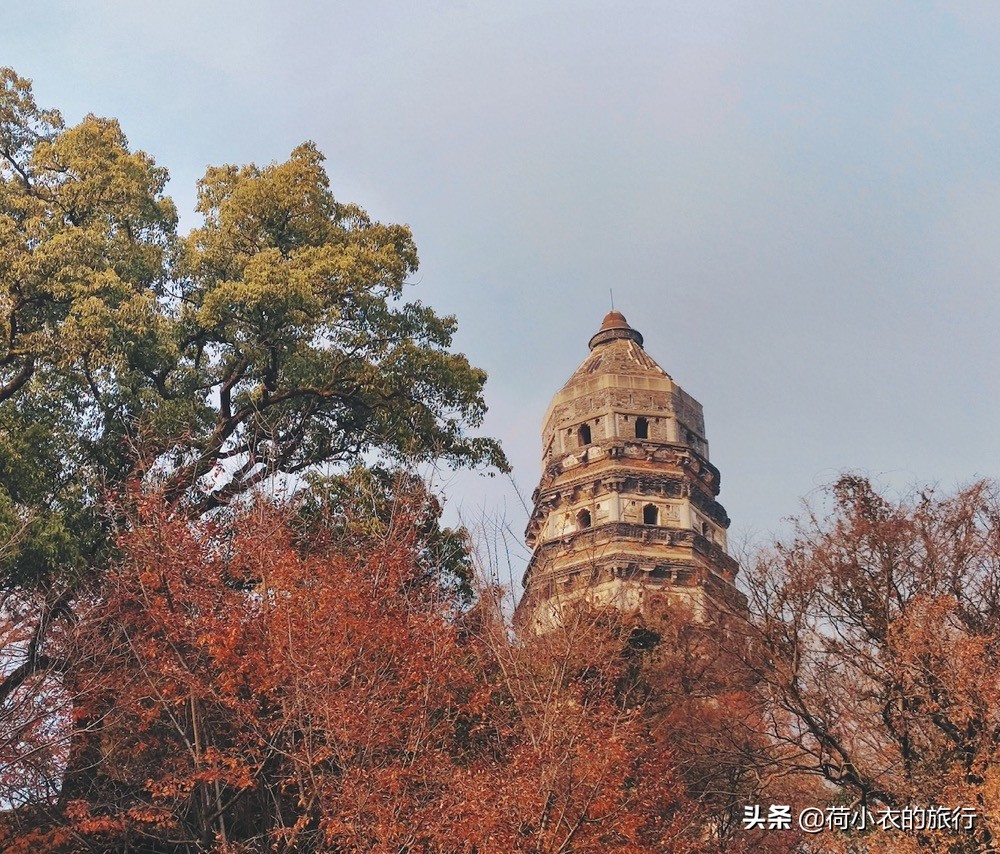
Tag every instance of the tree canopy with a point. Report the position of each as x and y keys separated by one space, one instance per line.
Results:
x=874 y=637
x=270 y=340
x=338 y=708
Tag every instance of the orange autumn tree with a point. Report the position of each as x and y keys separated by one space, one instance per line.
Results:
x=876 y=642
x=265 y=682
x=261 y=690
x=576 y=765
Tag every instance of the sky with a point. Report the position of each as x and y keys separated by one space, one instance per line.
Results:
x=797 y=204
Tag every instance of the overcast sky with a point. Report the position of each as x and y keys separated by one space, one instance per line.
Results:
x=796 y=203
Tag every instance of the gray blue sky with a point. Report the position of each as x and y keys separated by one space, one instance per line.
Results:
x=796 y=203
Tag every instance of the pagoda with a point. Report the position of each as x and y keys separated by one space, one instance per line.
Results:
x=626 y=514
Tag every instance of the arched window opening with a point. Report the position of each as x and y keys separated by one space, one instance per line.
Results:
x=583 y=519
x=650 y=515
x=641 y=428
x=584 y=434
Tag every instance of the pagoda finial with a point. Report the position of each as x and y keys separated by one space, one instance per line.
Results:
x=614 y=327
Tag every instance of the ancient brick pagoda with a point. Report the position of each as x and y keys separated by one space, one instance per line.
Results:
x=625 y=515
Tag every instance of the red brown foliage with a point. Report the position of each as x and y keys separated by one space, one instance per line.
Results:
x=876 y=635
x=251 y=687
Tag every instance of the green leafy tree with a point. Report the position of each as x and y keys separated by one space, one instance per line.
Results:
x=85 y=234
x=289 y=311
x=270 y=340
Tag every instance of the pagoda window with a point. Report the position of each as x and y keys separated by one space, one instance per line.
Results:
x=641 y=428
x=650 y=515
x=583 y=520
x=584 y=434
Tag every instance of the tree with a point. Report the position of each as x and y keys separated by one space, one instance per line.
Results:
x=575 y=765
x=703 y=707
x=262 y=686
x=256 y=689
x=268 y=343
x=876 y=634
x=287 y=313
x=85 y=234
